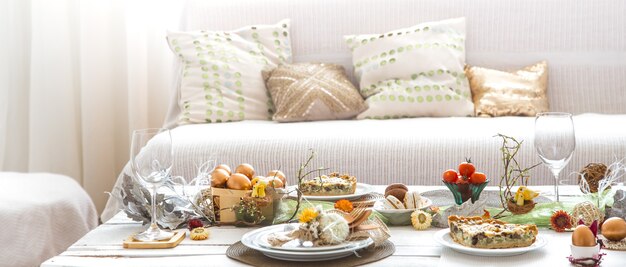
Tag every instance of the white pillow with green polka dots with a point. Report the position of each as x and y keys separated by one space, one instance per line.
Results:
x=221 y=78
x=413 y=72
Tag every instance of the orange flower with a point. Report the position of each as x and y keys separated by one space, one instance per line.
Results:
x=344 y=205
x=560 y=221
x=308 y=215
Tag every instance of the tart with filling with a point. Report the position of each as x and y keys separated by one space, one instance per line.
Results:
x=334 y=184
x=477 y=232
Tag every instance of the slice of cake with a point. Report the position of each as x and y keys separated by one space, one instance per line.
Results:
x=334 y=184
x=477 y=232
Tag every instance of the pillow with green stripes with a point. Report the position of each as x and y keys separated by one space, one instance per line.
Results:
x=413 y=72
x=221 y=76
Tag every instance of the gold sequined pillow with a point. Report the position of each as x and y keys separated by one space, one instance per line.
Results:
x=312 y=91
x=500 y=93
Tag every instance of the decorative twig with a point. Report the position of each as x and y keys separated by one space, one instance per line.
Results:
x=301 y=177
x=513 y=173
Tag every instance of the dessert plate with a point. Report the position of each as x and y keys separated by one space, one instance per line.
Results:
x=361 y=190
x=444 y=238
x=254 y=239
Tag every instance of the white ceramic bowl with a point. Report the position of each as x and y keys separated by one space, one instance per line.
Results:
x=584 y=252
x=401 y=216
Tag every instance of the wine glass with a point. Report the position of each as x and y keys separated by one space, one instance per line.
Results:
x=151 y=158
x=555 y=142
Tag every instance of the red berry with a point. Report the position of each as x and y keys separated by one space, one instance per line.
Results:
x=195 y=223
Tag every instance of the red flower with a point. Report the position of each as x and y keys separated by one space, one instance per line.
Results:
x=560 y=221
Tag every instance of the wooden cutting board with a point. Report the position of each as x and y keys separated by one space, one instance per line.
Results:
x=179 y=235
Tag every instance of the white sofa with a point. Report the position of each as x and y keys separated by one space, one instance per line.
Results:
x=583 y=41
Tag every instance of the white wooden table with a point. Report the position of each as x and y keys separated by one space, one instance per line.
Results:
x=103 y=247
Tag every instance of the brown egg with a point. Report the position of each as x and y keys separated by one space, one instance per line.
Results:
x=583 y=237
x=278 y=174
x=224 y=167
x=614 y=229
x=219 y=178
x=245 y=169
x=278 y=183
x=238 y=181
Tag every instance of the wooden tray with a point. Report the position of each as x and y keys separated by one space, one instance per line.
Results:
x=179 y=235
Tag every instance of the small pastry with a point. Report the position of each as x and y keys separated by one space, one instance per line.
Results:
x=392 y=203
x=219 y=177
x=238 y=181
x=245 y=169
x=397 y=190
x=393 y=186
x=199 y=233
x=413 y=200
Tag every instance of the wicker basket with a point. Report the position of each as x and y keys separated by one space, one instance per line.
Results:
x=592 y=173
x=515 y=209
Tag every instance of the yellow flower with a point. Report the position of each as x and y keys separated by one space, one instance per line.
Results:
x=421 y=220
x=344 y=205
x=308 y=215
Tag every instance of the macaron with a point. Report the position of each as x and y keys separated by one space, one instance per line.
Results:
x=396 y=190
x=413 y=200
x=392 y=203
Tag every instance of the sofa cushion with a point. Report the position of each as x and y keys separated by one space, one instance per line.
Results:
x=517 y=93
x=221 y=74
x=414 y=71
x=312 y=91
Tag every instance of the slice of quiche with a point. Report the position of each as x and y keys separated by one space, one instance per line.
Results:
x=334 y=184
x=477 y=232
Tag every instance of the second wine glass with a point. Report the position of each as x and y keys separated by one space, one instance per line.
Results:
x=555 y=142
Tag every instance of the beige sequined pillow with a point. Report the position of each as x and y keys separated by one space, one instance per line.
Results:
x=312 y=91
x=518 y=93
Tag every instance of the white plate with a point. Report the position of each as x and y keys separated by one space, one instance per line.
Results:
x=252 y=240
x=444 y=238
x=361 y=190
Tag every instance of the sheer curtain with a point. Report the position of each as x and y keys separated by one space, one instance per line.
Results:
x=76 y=77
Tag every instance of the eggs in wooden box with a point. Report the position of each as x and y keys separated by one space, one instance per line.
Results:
x=238 y=181
x=245 y=169
x=219 y=178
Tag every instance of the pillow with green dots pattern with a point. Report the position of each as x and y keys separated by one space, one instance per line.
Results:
x=413 y=72
x=221 y=78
